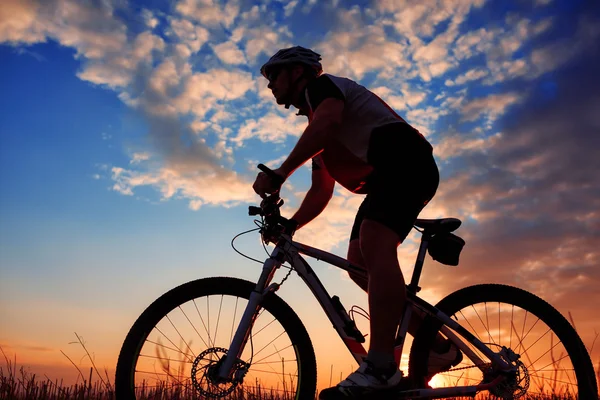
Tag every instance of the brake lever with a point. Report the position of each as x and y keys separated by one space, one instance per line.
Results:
x=253 y=210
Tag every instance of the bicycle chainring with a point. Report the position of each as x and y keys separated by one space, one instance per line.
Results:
x=205 y=376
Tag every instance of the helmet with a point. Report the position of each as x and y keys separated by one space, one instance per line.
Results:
x=294 y=55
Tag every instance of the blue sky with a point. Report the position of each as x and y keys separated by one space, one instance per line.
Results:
x=130 y=132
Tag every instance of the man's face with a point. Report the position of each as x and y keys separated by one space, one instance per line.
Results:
x=279 y=83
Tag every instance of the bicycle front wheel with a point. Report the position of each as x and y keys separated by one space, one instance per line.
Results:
x=174 y=348
x=553 y=362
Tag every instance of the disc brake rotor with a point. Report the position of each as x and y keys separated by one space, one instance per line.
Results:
x=205 y=369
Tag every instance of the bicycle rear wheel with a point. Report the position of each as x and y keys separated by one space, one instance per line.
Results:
x=174 y=348
x=553 y=363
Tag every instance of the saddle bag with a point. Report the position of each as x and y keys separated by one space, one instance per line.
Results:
x=445 y=248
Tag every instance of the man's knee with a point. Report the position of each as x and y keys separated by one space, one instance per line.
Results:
x=377 y=239
x=354 y=254
x=356 y=259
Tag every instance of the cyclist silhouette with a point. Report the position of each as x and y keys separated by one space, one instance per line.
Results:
x=356 y=139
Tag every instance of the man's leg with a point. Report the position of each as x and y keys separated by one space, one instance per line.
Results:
x=355 y=257
x=386 y=288
x=417 y=317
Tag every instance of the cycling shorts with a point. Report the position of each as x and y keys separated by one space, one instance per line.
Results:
x=405 y=178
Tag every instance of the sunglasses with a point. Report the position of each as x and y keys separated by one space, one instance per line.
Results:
x=274 y=74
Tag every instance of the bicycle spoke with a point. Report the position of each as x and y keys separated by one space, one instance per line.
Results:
x=264 y=358
x=278 y=336
x=218 y=318
x=523 y=330
x=177 y=349
x=193 y=326
x=233 y=320
x=534 y=343
x=480 y=320
x=181 y=337
x=203 y=324
x=166 y=359
x=208 y=320
x=472 y=328
x=264 y=327
x=549 y=350
x=512 y=318
x=499 y=328
x=487 y=321
x=274 y=362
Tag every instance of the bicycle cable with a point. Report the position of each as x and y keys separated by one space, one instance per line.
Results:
x=257 y=222
x=243 y=233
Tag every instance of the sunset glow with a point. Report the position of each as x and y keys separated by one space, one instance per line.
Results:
x=130 y=132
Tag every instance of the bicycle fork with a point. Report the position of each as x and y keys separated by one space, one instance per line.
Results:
x=242 y=334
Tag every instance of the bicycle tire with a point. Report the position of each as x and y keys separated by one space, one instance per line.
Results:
x=453 y=306
x=301 y=345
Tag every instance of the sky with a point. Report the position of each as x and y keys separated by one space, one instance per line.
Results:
x=130 y=132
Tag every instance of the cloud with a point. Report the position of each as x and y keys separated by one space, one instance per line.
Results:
x=333 y=227
x=261 y=40
x=272 y=127
x=354 y=49
x=229 y=53
x=19 y=23
x=225 y=189
x=457 y=145
x=471 y=75
x=556 y=54
x=290 y=7
x=138 y=157
x=99 y=38
x=192 y=35
x=149 y=18
x=490 y=107
x=209 y=12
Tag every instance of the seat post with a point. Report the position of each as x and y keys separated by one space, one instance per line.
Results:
x=414 y=282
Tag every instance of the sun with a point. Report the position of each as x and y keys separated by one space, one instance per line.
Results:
x=437 y=381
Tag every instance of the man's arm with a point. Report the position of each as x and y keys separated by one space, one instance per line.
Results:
x=317 y=197
x=326 y=121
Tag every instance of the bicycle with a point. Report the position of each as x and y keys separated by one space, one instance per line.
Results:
x=507 y=360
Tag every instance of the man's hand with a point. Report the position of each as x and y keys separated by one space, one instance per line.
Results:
x=264 y=185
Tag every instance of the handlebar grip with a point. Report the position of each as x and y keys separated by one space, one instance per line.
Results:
x=277 y=179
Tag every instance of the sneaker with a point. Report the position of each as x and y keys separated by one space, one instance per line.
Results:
x=363 y=382
x=444 y=360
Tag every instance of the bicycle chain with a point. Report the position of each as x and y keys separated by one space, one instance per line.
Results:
x=285 y=277
x=472 y=366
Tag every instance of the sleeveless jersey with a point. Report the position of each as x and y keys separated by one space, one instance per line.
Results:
x=345 y=155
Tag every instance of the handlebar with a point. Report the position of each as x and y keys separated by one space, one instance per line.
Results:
x=275 y=224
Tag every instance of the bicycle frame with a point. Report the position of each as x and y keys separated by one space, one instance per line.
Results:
x=289 y=250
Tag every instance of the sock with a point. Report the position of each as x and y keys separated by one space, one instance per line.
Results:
x=384 y=362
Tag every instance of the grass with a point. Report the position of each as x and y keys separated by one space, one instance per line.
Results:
x=16 y=383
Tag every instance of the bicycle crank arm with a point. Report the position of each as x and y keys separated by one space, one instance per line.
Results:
x=445 y=392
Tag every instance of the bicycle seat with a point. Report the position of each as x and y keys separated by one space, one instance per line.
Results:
x=443 y=225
